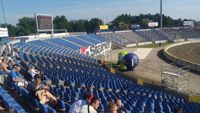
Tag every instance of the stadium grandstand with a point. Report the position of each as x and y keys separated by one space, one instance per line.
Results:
x=88 y=71
x=123 y=38
x=71 y=74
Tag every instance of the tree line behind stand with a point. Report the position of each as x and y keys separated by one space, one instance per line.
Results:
x=27 y=25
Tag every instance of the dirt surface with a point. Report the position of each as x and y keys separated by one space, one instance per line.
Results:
x=149 y=69
x=188 y=52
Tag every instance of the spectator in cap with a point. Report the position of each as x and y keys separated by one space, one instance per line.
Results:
x=76 y=106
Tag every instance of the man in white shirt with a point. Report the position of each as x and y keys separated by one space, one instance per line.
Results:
x=76 y=106
x=92 y=107
x=33 y=71
x=8 y=48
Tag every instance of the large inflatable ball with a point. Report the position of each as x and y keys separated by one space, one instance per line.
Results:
x=121 y=59
x=131 y=61
x=121 y=55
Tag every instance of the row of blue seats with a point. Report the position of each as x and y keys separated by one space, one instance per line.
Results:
x=54 y=51
x=10 y=102
x=65 y=43
x=88 y=39
x=119 y=96
x=82 y=76
x=79 y=41
x=146 y=34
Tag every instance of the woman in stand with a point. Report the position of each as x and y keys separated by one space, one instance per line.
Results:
x=41 y=92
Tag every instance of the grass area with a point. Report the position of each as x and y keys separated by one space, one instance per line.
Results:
x=194 y=99
x=114 y=65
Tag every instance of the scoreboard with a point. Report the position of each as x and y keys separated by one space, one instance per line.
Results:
x=44 y=22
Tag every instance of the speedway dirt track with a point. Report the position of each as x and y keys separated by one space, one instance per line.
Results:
x=188 y=52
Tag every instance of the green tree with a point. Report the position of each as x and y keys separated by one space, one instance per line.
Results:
x=123 y=26
x=61 y=22
x=12 y=30
x=79 y=25
x=93 y=25
x=177 y=23
x=145 y=22
x=26 y=26
x=122 y=22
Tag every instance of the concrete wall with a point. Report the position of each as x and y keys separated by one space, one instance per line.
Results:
x=123 y=31
x=42 y=36
x=145 y=43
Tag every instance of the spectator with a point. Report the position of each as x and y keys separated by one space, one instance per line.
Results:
x=14 y=77
x=2 y=109
x=11 y=63
x=8 y=57
x=3 y=48
x=178 y=110
x=90 y=108
x=118 y=103
x=33 y=71
x=41 y=93
x=4 y=67
x=109 y=101
x=111 y=108
x=76 y=106
x=15 y=54
x=8 y=48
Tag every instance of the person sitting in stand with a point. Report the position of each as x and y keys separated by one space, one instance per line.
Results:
x=178 y=110
x=92 y=108
x=111 y=108
x=8 y=48
x=33 y=71
x=2 y=109
x=76 y=106
x=118 y=103
x=41 y=92
x=8 y=57
x=15 y=53
x=11 y=63
x=4 y=67
x=14 y=78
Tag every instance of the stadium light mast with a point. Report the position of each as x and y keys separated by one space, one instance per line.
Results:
x=3 y=11
x=161 y=15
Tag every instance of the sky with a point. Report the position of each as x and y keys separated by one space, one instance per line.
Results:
x=107 y=10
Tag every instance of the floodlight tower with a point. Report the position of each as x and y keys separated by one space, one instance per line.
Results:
x=3 y=11
x=161 y=16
